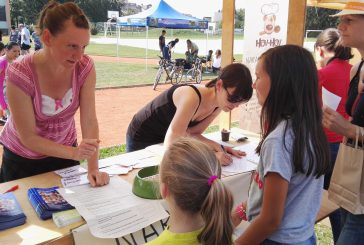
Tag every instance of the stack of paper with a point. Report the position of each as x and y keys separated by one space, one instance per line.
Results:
x=11 y=214
x=65 y=218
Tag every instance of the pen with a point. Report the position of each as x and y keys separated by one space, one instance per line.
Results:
x=14 y=188
x=223 y=149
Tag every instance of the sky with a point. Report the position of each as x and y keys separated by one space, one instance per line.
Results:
x=197 y=8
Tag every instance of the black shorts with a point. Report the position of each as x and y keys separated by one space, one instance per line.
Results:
x=17 y=167
x=25 y=46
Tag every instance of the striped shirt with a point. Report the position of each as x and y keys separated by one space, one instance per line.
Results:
x=59 y=128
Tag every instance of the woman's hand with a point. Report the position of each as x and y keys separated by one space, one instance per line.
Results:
x=86 y=149
x=98 y=178
x=335 y=122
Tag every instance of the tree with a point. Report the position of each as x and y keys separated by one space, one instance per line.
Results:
x=27 y=11
x=319 y=18
x=239 y=18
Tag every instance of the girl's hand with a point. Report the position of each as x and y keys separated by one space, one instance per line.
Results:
x=86 y=149
x=98 y=178
x=335 y=122
x=224 y=158
x=235 y=216
x=235 y=153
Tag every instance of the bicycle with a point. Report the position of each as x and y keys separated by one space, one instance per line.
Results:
x=173 y=70
x=194 y=75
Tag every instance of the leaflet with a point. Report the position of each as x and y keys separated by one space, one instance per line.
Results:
x=71 y=171
x=113 y=211
x=329 y=99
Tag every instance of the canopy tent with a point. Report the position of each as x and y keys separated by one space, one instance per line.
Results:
x=161 y=15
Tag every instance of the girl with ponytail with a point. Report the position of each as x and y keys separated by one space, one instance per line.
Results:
x=199 y=203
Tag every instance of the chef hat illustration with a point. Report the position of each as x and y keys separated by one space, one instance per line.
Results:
x=270 y=8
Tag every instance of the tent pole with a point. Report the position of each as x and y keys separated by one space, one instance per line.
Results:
x=117 y=43
x=207 y=41
x=146 y=51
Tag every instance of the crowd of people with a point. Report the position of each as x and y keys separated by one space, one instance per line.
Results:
x=299 y=137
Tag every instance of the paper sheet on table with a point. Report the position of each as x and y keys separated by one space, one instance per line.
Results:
x=126 y=160
x=157 y=149
x=112 y=210
x=239 y=165
x=149 y=161
x=75 y=180
x=249 y=149
x=116 y=169
x=71 y=171
x=329 y=99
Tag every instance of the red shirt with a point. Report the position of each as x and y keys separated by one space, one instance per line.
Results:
x=335 y=77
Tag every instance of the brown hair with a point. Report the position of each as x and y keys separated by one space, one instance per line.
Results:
x=55 y=14
x=331 y=41
x=236 y=76
x=186 y=169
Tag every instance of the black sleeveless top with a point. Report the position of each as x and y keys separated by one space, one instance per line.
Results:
x=151 y=123
x=355 y=103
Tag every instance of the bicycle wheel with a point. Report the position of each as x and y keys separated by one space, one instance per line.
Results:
x=158 y=77
x=177 y=75
x=198 y=76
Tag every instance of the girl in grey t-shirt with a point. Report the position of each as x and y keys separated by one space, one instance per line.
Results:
x=286 y=189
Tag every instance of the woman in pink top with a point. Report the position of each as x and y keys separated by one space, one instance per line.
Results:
x=334 y=75
x=12 y=51
x=44 y=91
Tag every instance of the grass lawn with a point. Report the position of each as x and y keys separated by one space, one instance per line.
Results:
x=115 y=74
x=171 y=33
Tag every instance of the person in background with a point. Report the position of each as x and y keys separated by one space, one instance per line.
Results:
x=162 y=40
x=2 y=111
x=216 y=64
x=44 y=91
x=352 y=35
x=37 y=42
x=24 y=39
x=167 y=50
x=285 y=194
x=192 y=48
x=332 y=57
x=199 y=203
x=14 y=34
x=187 y=110
x=209 y=60
x=12 y=52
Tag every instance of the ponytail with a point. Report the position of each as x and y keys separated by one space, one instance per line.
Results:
x=191 y=170
x=215 y=212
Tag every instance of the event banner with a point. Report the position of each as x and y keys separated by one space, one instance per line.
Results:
x=265 y=28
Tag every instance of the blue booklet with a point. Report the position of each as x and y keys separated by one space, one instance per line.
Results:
x=11 y=214
x=47 y=201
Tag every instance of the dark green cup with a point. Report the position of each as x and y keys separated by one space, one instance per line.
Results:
x=144 y=185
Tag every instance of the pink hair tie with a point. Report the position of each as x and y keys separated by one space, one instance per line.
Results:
x=212 y=179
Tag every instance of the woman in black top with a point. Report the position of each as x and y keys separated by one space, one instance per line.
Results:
x=351 y=28
x=187 y=110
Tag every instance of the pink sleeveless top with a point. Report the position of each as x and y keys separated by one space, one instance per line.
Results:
x=59 y=128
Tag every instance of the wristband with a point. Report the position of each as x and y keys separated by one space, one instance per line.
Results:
x=241 y=212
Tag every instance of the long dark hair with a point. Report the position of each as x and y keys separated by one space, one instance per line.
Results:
x=294 y=97
x=330 y=39
x=236 y=76
x=186 y=169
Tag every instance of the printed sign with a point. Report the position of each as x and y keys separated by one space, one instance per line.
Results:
x=265 y=28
